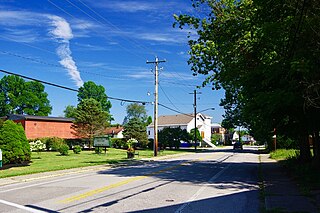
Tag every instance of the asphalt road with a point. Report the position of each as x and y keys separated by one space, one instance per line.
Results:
x=222 y=180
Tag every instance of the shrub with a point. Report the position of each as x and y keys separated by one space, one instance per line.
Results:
x=77 y=149
x=13 y=143
x=118 y=143
x=54 y=143
x=37 y=146
x=64 y=149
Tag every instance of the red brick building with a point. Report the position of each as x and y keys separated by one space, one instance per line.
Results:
x=43 y=126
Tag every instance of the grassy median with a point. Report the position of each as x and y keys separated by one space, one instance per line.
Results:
x=52 y=161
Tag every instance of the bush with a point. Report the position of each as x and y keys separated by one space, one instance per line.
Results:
x=54 y=143
x=77 y=149
x=13 y=143
x=118 y=143
x=37 y=146
x=64 y=149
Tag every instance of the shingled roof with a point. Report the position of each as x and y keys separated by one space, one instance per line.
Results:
x=180 y=119
x=15 y=117
x=113 y=130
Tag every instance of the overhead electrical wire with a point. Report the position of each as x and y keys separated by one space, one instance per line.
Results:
x=167 y=97
x=71 y=89
x=99 y=33
x=58 y=66
x=76 y=90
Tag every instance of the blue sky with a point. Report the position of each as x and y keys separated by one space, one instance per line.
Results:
x=68 y=42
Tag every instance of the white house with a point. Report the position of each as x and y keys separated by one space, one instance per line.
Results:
x=114 y=132
x=184 y=121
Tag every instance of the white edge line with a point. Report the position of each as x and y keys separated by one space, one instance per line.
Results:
x=21 y=207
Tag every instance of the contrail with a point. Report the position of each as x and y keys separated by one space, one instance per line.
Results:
x=63 y=34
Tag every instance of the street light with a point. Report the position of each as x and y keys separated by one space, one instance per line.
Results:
x=195 y=124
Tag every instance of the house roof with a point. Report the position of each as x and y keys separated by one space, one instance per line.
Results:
x=180 y=119
x=15 y=117
x=113 y=130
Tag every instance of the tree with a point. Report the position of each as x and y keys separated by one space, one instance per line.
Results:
x=13 y=143
x=20 y=97
x=256 y=51
x=90 y=119
x=191 y=135
x=97 y=92
x=172 y=137
x=135 y=128
x=70 y=111
x=136 y=110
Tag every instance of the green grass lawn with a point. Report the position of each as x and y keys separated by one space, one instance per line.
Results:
x=51 y=161
x=306 y=174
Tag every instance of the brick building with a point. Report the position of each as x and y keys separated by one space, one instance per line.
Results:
x=43 y=126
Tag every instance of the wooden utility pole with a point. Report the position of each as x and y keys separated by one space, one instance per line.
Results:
x=155 y=119
x=195 y=118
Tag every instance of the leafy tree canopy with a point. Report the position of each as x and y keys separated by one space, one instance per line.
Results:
x=135 y=128
x=136 y=110
x=20 y=97
x=265 y=55
x=70 y=111
x=90 y=119
x=97 y=92
x=172 y=137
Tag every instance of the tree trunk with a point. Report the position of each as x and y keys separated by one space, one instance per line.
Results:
x=305 y=154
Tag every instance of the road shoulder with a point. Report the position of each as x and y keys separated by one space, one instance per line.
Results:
x=281 y=193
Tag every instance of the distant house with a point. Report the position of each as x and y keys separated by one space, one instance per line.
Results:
x=44 y=126
x=184 y=121
x=218 y=129
x=114 y=132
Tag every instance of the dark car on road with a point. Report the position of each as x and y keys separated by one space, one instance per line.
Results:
x=238 y=145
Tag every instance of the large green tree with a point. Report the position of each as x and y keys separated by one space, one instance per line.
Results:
x=20 y=97
x=265 y=55
x=90 y=119
x=135 y=123
x=136 y=110
x=172 y=137
x=97 y=92
x=135 y=128
x=70 y=111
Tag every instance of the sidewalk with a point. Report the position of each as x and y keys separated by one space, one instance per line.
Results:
x=281 y=193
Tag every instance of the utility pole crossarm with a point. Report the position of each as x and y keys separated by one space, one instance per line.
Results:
x=155 y=119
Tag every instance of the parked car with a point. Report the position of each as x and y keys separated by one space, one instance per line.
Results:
x=238 y=145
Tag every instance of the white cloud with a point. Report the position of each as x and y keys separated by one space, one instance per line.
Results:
x=61 y=29
x=62 y=32
x=20 y=18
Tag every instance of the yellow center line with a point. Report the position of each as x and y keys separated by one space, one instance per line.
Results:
x=124 y=182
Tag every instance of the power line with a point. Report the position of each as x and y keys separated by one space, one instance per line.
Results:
x=99 y=33
x=117 y=28
x=59 y=66
x=76 y=90
x=167 y=97
x=71 y=89
x=164 y=106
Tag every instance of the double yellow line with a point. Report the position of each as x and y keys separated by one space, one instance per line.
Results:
x=124 y=182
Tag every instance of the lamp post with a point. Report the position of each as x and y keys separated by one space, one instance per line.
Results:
x=195 y=125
